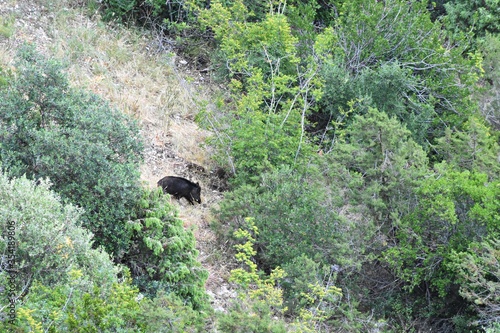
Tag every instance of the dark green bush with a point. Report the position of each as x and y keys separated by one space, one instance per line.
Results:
x=89 y=151
x=292 y=211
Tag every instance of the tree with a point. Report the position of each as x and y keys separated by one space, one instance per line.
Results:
x=474 y=149
x=49 y=240
x=478 y=269
x=391 y=56
x=50 y=252
x=478 y=17
x=60 y=283
x=264 y=126
x=388 y=163
x=90 y=152
x=455 y=210
x=489 y=95
x=259 y=307
x=293 y=211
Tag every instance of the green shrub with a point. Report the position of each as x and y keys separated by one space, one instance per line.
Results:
x=69 y=308
x=264 y=125
x=259 y=307
x=479 y=17
x=293 y=211
x=455 y=210
x=89 y=151
x=490 y=95
x=64 y=285
x=478 y=269
x=393 y=56
x=474 y=148
x=55 y=263
x=49 y=239
x=162 y=255
x=120 y=10
x=167 y=313
x=389 y=163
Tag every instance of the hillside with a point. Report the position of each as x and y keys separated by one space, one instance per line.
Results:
x=127 y=68
x=358 y=141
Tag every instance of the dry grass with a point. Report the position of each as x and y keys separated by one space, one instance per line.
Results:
x=114 y=62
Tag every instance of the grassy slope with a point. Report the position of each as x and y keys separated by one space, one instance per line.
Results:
x=122 y=66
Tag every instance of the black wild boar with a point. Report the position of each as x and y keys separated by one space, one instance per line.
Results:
x=180 y=187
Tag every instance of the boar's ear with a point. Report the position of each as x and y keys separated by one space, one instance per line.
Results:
x=197 y=183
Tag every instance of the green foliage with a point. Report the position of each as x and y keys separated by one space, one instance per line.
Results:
x=264 y=287
x=71 y=308
x=479 y=271
x=478 y=17
x=455 y=209
x=262 y=59
x=5 y=76
x=7 y=26
x=64 y=285
x=119 y=9
x=490 y=95
x=74 y=307
x=94 y=310
x=259 y=304
x=253 y=48
x=248 y=316
x=172 y=22
x=385 y=88
x=167 y=313
x=376 y=84
x=300 y=272
x=272 y=88
x=318 y=304
x=292 y=211
x=55 y=263
x=162 y=255
x=48 y=236
x=389 y=165
x=260 y=142
x=473 y=149
x=89 y=151
x=312 y=297
x=393 y=57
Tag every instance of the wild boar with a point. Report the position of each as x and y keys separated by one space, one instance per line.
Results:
x=181 y=188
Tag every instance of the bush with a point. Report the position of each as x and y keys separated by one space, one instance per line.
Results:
x=49 y=239
x=54 y=261
x=455 y=209
x=393 y=56
x=259 y=307
x=388 y=162
x=89 y=151
x=64 y=285
x=162 y=255
x=294 y=211
x=478 y=269
x=167 y=313
x=473 y=149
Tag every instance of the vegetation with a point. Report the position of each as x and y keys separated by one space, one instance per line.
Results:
x=63 y=284
x=64 y=277
x=89 y=151
x=361 y=139
x=163 y=255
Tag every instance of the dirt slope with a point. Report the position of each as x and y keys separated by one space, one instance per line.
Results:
x=159 y=90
